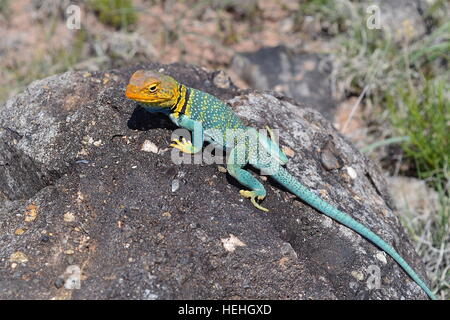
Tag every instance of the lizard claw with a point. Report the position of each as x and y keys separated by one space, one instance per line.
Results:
x=252 y=196
x=183 y=145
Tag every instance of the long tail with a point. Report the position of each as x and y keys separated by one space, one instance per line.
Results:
x=294 y=186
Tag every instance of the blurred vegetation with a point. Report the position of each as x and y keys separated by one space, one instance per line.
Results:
x=119 y=14
x=4 y=6
x=422 y=114
x=406 y=81
x=333 y=16
x=43 y=64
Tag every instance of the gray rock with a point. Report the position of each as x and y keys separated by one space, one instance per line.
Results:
x=133 y=238
x=302 y=76
x=402 y=19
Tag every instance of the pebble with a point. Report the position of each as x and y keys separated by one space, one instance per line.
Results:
x=73 y=277
x=221 y=80
x=149 y=146
x=19 y=232
x=31 y=213
x=329 y=160
x=381 y=256
x=231 y=243
x=175 y=185
x=358 y=275
x=59 y=282
x=222 y=169
x=148 y=295
x=288 y=151
x=69 y=217
x=351 y=173
x=18 y=257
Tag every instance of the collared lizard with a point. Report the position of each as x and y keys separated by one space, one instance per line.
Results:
x=210 y=119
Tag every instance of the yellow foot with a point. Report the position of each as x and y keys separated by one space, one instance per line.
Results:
x=252 y=196
x=183 y=145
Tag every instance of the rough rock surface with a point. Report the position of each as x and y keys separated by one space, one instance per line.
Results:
x=301 y=76
x=86 y=213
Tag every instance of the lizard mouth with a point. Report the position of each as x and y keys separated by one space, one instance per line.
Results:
x=134 y=94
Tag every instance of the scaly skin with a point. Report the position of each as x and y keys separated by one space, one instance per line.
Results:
x=209 y=119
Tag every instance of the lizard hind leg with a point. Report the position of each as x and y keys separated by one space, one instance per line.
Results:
x=256 y=192
x=269 y=143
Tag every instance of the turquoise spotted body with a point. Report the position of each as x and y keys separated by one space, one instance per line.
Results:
x=215 y=116
x=210 y=119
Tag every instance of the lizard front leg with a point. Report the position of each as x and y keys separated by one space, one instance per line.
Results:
x=197 y=134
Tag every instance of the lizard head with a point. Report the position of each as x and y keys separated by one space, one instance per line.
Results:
x=152 y=88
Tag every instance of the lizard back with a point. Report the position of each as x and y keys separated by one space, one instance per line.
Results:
x=215 y=115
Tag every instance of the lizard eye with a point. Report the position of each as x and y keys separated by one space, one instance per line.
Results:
x=152 y=88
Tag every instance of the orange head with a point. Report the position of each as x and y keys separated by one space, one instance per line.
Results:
x=153 y=88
